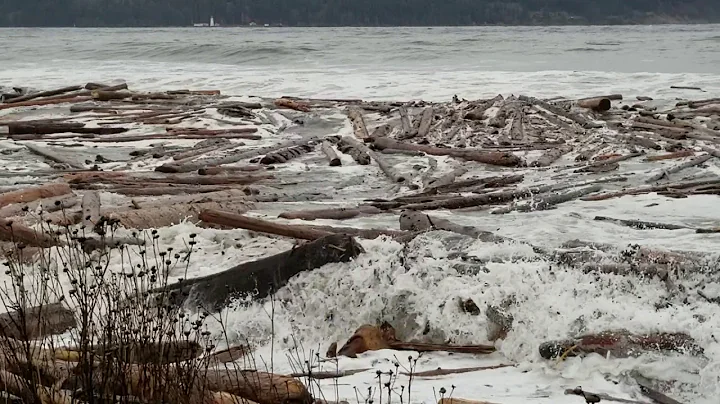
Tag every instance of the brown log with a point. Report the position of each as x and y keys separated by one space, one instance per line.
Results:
x=354 y=149
x=189 y=155
x=231 y=158
x=36 y=322
x=49 y=205
x=231 y=354
x=692 y=163
x=444 y=372
x=41 y=127
x=599 y=104
x=230 y=169
x=333 y=214
x=211 y=132
x=39 y=94
x=330 y=154
x=412 y=153
x=32 y=194
x=686 y=88
x=304 y=232
x=372 y=338
x=492 y=158
x=292 y=104
x=17 y=232
x=358 y=123
x=105 y=95
x=453 y=400
x=36 y=103
x=260 y=387
x=598 y=397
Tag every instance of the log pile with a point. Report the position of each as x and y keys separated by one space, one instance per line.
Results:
x=218 y=162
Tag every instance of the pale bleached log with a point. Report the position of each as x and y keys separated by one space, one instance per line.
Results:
x=425 y=121
x=48 y=205
x=653 y=188
x=445 y=179
x=260 y=387
x=90 y=210
x=330 y=154
x=517 y=131
x=50 y=155
x=358 y=123
x=407 y=128
x=675 y=169
x=584 y=122
x=354 y=149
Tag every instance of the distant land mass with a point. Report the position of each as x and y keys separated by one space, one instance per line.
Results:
x=159 y=13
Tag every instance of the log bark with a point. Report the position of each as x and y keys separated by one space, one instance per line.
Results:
x=231 y=158
x=354 y=149
x=262 y=277
x=492 y=158
x=332 y=214
x=39 y=94
x=90 y=210
x=37 y=322
x=675 y=169
x=599 y=104
x=32 y=194
x=330 y=154
x=549 y=201
x=358 y=123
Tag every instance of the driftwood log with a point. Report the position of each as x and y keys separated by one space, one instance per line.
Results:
x=36 y=322
x=330 y=154
x=487 y=157
x=34 y=193
x=262 y=277
x=351 y=147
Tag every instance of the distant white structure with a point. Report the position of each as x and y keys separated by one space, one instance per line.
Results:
x=212 y=21
x=204 y=24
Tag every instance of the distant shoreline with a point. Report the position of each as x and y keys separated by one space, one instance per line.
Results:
x=625 y=24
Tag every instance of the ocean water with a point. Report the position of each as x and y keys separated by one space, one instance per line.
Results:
x=416 y=288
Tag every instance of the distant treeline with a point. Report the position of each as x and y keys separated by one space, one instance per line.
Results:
x=109 y=13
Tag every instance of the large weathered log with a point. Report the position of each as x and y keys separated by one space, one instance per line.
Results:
x=407 y=129
x=35 y=103
x=387 y=168
x=549 y=201
x=17 y=232
x=39 y=94
x=292 y=104
x=692 y=163
x=551 y=155
x=358 y=123
x=599 y=104
x=35 y=131
x=373 y=338
x=432 y=184
x=640 y=224
x=231 y=158
x=334 y=214
x=620 y=344
x=585 y=123
x=353 y=148
x=31 y=194
x=263 y=277
x=283 y=155
x=260 y=387
x=478 y=112
x=330 y=154
x=304 y=232
x=492 y=158
x=50 y=155
x=47 y=205
x=673 y=155
x=36 y=322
